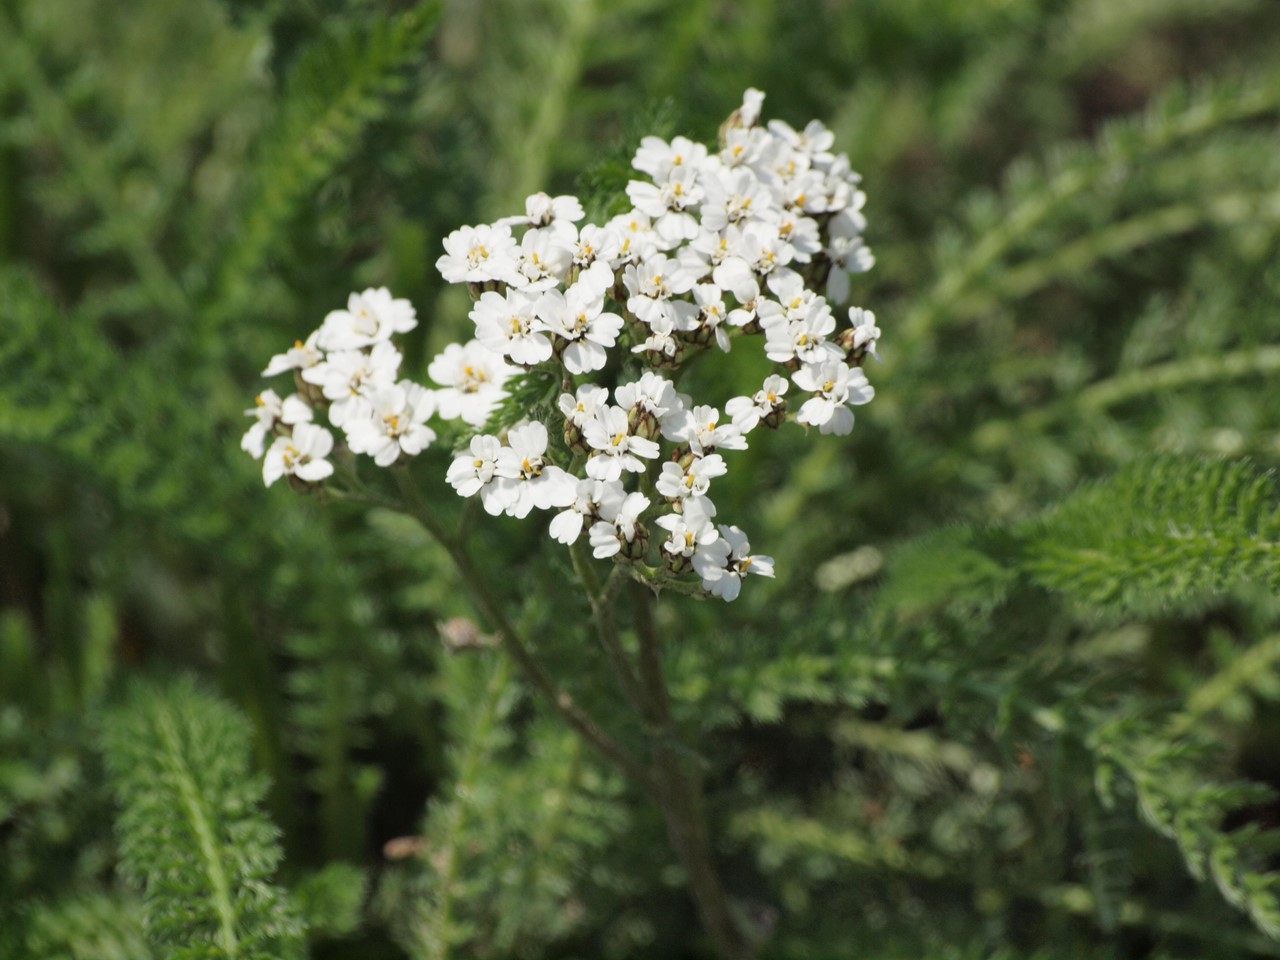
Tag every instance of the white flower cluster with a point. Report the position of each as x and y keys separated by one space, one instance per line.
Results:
x=717 y=245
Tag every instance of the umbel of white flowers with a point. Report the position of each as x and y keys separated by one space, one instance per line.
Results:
x=720 y=245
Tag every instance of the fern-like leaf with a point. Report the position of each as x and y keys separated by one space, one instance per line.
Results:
x=1162 y=532
x=191 y=831
x=338 y=86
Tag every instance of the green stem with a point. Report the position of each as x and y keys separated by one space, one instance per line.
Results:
x=560 y=700
x=606 y=628
x=681 y=797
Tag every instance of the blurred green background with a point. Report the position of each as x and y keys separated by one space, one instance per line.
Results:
x=1075 y=205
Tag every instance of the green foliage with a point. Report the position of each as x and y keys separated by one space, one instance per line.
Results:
x=331 y=901
x=1014 y=691
x=338 y=86
x=508 y=854
x=192 y=836
x=91 y=926
x=1160 y=534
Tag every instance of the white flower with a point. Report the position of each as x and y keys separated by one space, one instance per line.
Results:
x=747 y=412
x=836 y=387
x=668 y=202
x=652 y=393
x=396 y=424
x=566 y=526
x=473 y=378
x=300 y=455
x=865 y=331
x=652 y=284
x=690 y=530
x=742 y=146
x=541 y=209
x=712 y=312
x=748 y=114
x=798 y=236
x=349 y=378
x=724 y=564
x=476 y=472
x=545 y=257
x=661 y=339
x=478 y=254
x=754 y=251
x=704 y=253
x=594 y=253
x=637 y=239
x=270 y=410
x=814 y=141
x=300 y=356
x=616 y=448
x=618 y=526
x=575 y=316
x=794 y=300
x=658 y=158
x=583 y=407
x=848 y=254
x=536 y=483
x=735 y=196
x=370 y=317
x=805 y=339
x=505 y=324
x=704 y=432
x=681 y=483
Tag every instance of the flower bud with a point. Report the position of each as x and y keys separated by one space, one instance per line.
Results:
x=573 y=438
x=635 y=549
x=677 y=563
x=777 y=416
x=298 y=485
x=642 y=423
x=700 y=337
x=311 y=392
x=661 y=360
x=853 y=356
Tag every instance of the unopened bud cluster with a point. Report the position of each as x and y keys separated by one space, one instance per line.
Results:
x=718 y=246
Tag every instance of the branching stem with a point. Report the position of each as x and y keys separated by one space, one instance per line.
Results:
x=557 y=698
